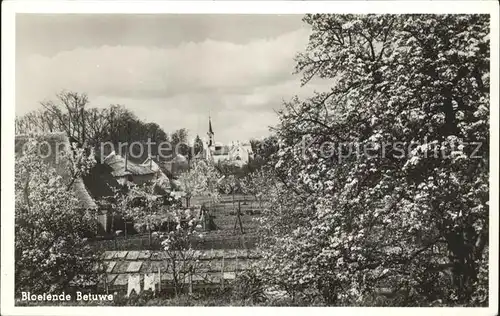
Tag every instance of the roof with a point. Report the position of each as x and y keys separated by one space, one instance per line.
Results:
x=117 y=164
x=59 y=142
x=164 y=168
x=155 y=166
x=83 y=196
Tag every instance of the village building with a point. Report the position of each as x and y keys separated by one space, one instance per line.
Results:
x=96 y=190
x=127 y=172
x=236 y=153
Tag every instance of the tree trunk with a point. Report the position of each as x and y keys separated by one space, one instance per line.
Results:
x=174 y=274
x=232 y=191
x=465 y=269
x=149 y=235
x=112 y=222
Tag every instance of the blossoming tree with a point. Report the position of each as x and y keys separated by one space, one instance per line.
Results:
x=200 y=180
x=51 y=227
x=145 y=205
x=383 y=180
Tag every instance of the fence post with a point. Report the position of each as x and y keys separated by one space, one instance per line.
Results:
x=244 y=242
x=159 y=279
x=222 y=272
x=190 y=280
x=236 y=267
x=106 y=282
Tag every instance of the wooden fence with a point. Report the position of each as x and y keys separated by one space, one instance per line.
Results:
x=211 y=241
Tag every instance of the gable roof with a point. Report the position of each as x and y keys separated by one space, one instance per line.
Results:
x=154 y=165
x=57 y=143
x=117 y=164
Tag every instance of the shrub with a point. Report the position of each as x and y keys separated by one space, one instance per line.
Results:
x=249 y=288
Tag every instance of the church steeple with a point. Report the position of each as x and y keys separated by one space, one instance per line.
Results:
x=210 y=132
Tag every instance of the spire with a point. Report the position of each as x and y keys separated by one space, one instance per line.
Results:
x=210 y=132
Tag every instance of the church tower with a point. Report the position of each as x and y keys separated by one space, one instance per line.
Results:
x=208 y=145
x=210 y=133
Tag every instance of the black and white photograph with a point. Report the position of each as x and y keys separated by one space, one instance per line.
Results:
x=287 y=159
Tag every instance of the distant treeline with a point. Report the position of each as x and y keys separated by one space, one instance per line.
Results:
x=91 y=126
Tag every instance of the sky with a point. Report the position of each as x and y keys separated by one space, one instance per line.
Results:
x=174 y=70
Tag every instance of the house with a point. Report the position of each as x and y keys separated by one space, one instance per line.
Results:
x=117 y=173
x=103 y=182
x=127 y=172
x=240 y=154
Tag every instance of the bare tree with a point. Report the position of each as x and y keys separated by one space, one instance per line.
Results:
x=68 y=110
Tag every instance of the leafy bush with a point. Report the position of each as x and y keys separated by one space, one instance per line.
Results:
x=249 y=287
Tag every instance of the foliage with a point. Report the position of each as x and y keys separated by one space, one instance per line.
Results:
x=263 y=151
x=178 y=248
x=351 y=223
x=197 y=146
x=249 y=288
x=179 y=143
x=146 y=208
x=50 y=227
x=70 y=113
x=231 y=178
x=145 y=204
x=200 y=180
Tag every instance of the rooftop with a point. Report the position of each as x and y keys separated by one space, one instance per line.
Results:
x=117 y=164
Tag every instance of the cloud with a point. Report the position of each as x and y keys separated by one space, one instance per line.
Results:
x=135 y=71
x=240 y=84
x=235 y=116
